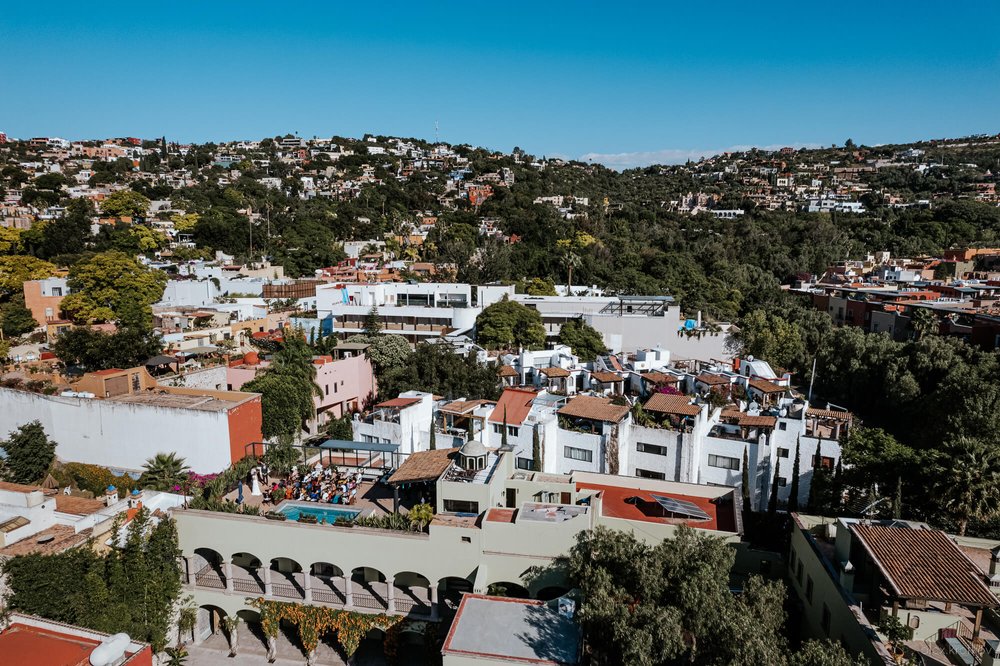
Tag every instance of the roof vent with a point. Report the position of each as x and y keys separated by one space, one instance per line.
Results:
x=48 y=538
x=110 y=651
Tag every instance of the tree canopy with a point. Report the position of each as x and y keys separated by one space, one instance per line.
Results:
x=438 y=369
x=508 y=324
x=585 y=341
x=125 y=203
x=110 y=285
x=29 y=452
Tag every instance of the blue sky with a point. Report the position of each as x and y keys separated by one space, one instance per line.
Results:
x=621 y=83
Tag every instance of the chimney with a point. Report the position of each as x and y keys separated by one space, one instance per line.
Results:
x=110 y=496
x=135 y=499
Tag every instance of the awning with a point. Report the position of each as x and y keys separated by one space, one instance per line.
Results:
x=194 y=351
x=345 y=445
x=160 y=360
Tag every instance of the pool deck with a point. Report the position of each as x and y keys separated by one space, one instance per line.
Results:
x=372 y=499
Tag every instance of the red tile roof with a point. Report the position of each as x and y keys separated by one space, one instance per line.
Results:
x=924 y=564
x=507 y=371
x=658 y=377
x=671 y=404
x=766 y=386
x=759 y=421
x=829 y=414
x=515 y=404
x=594 y=408
x=712 y=379
x=606 y=377
x=22 y=488
x=22 y=644
x=423 y=466
x=399 y=403
x=555 y=372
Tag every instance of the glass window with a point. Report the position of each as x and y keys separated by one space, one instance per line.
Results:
x=782 y=453
x=655 y=449
x=647 y=474
x=578 y=454
x=723 y=462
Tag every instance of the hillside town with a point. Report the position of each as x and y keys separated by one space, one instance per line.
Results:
x=348 y=393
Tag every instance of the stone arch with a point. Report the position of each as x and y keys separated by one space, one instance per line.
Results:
x=208 y=568
x=328 y=583
x=208 y=622
x=451 y=589
x=369 y=587
x=287 y=579
x=412 y=593
x=506 y=588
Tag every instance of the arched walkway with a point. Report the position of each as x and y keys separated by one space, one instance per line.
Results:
x=287 y=579
x=412 y=593
x=505 y=588
x=327 y=583
x=550 y=593
x=450 y=591
x=369 y=589
x=207 y=568
x=208 y=622
x=247 y=574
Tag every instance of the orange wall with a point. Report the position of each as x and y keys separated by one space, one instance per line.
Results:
x=34 y=301
x=143 y=657
x=244 y=428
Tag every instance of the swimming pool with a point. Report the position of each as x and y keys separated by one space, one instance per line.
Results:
x=326 y=512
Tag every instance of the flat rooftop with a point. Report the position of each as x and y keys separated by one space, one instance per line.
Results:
x=638 y=504
x=22 y=644
x=204 y=403
x=550 y=513
x=516 y=630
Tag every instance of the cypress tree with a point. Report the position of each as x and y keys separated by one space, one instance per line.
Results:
x=817 y=489
x=793 y=497
x=536 y=451
x=772 y=502
x=503 y=434
x=746 y=480
x=897 y=500
x=433 y=444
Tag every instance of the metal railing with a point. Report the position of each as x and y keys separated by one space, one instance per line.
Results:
x=286 y=590
x=209 y=577
x=369 y=601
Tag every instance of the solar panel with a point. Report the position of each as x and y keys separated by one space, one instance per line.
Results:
x=680 y=507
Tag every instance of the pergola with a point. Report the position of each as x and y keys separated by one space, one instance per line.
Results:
x=381 y=456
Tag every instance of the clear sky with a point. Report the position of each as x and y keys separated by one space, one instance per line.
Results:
x=622 y=83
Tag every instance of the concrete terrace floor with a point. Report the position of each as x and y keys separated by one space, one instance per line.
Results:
x=214 y=651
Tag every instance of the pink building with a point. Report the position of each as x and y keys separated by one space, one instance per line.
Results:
x=345 y=383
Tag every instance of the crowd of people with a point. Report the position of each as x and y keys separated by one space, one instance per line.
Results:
x=323 y=484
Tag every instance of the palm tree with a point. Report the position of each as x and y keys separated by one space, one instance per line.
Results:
x=570 y=260
x=924 y=322
x=164 y=471
x=968 y=473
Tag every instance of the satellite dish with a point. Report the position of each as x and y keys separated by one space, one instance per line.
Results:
x=753 y=407
x=750 y=358
x=783 y=412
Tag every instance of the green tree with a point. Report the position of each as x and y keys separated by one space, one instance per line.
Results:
x=585 y=341
x=92 y=350
x=536 y=451
x=340 y=428
x=793 y=493
x=164 y=471
x=421 y=515
x=924 y=322
x=71 y=233
x=15 y=319
x=110 y=285
x=373 y=323
x=503 y=433
x=29 y=453
x=539 y=287
x=287 y=387
x=15 y=270
x=772 y=500
x=437 y=369
x=968 y=473
x=125 y=203
x=823 y=653
x=385 y=351
x=770 y=337
x=507 y=324
x=680 y=609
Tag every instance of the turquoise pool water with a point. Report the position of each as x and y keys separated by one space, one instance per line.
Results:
x=322 y=511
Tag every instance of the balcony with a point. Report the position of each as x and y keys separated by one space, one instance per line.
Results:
x=363 y=589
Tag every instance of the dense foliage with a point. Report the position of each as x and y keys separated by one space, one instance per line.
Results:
x=112 y=286
x=90 y=349
x=438 y=369
x=670 y=603
x=28 y=452
x=585 y=341
x=508 y=324
x=287 y=387
x=132 y=588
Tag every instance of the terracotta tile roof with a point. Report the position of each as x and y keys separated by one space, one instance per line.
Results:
x=515 y=403
x=399 y=403
x=78 y=506
x=671 y=404
x=64 y=537
x=555 y=372
x=758 y=421
x=507 y=371
x=659 y=377
x=500 y=515
x=765 y=386
x=712 y=379
x=597 y=409
x=463 y=406
x=606 y=377
x=423 y=466
x=22 y=488
x=830 y=414
x=615 y=363
x=924 y=564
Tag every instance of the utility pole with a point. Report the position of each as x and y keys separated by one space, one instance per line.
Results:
x=812 y=378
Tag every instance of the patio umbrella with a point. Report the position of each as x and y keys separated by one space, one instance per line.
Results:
x=239 y=492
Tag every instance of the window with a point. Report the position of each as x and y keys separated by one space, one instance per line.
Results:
x=782 y=453
x=825 y=462
x=461 y=506
x=723 y=462
x=791 y=560
x=825 y=622
x=466 y=539
x=578 y=454
x=512 y=431
x=497 y=428
x=646 y=474
x=782 y=426
x=782 y=481
x=798 y=572
x=326 y=389
x=809 y=589
x=524 y=463
x=57 y=291
x=655 y=449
